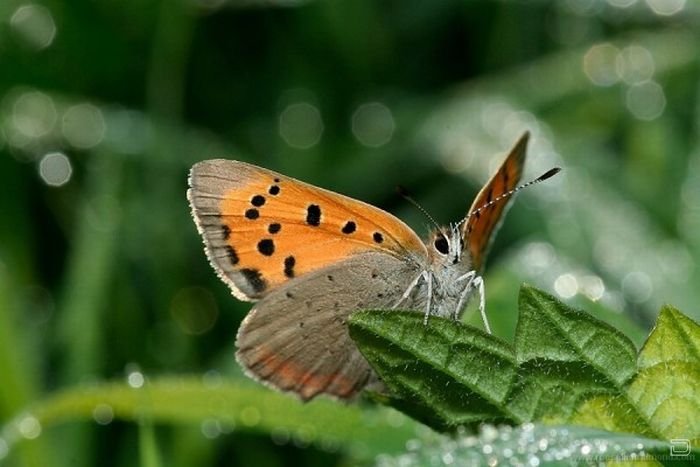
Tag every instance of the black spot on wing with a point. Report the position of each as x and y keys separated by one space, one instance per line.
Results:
x=349 y=227
x=254 y=279
x=225 y=232
x=289 y=263
x=252 y=214
x=274 y=190
x=266 y=247
x=274 y=228
x=232 y=255
x=378 y=237
x=257 y=200
x=313 y=215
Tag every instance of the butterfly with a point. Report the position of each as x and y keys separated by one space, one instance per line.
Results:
x=310 y=257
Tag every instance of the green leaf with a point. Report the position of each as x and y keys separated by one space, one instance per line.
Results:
x=675 y=338
x=552 y=331
x=540 y=445
x=459 y=373
x=566 y=367
x=667 y=388
x=663 y=399
x=362 y=432
x=148 y=446
x=564 y=357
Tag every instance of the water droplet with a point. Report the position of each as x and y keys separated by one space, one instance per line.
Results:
x=489 y=433
x=29 y=427
x=103 y=414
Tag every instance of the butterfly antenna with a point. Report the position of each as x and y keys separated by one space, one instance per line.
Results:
x=548 y=174
x=404 y=194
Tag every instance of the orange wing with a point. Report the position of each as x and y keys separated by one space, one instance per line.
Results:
x=482 y=224
x=262 y=229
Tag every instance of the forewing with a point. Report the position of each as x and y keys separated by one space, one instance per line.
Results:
x=481 y=226
x=262 y=229
x=296 y=339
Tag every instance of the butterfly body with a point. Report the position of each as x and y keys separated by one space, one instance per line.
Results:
x=310 y=257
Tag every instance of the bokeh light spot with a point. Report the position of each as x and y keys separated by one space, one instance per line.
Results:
x=373 y=124
x=55 y=169
x=622 y=3
x=35 y=25
x=83 y=126
x=4 y=449
x=592 y=287
x=646 y=101
x=637 y=287
x=29 y=427
x=666 y=7
x=211 y=428
x=34 y=114
x=300 y=125
x=599 y=64
x=635 y=64
x=135 y=379
x=280 y=436
x=195 y=310
x=566 y=285
x=103 y=414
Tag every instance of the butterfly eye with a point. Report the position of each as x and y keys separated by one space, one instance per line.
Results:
x=442 y=245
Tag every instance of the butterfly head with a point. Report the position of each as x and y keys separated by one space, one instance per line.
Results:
x=446 y=245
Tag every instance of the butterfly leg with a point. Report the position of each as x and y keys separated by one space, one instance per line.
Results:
x=409 y=289
x=429 y=279
x=478 y=283
x=469 y=277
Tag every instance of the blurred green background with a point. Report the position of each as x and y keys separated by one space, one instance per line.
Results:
x=104 y=106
